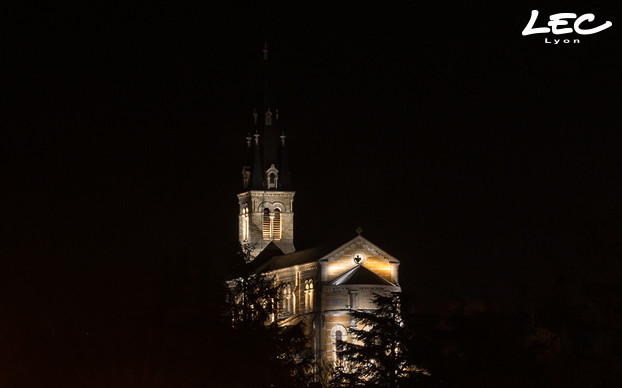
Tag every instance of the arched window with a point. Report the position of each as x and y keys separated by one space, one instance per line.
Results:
x=267 y=225
x=338 y=347
x=306 y=295
x=309 y=295
x=272 y=177
x=272 y=180
x=294 y=303
x=276 y=225
x=287 y=299
x=268 y=117
x=338 y=337
x=245 y=223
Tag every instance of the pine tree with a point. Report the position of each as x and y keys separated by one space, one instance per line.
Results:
x=252 y=298
x=267 y=355
x=379 y=356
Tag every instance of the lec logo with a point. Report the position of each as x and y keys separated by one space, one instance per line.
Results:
x=558 y=20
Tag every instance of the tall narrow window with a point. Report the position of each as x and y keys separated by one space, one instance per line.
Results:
x=276 y=225
x=306 y=295
x=272 y=180
x=274 y=310
x=309 y=295
x=267 y=235
x=245 y=223
x=272 y=177
x=284 y=300
x=293 y=301
x=287 y=299
x=338 y=347
x=242 y=226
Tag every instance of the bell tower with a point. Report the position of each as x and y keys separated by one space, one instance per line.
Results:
x=266 y=212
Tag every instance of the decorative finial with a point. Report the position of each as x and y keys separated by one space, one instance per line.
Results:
x=283 y=138
x=268 y=117
x=256 y=138
x=265 y=50
x=358 y=230
x=248 y=139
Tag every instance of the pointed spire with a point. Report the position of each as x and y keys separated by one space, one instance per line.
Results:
x=257 y=173
x=266 y=100
x=269 y=141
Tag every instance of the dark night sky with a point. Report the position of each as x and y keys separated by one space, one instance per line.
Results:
x=457 y=144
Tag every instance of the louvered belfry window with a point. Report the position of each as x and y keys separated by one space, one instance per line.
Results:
x=276 y=225
x=267 y=227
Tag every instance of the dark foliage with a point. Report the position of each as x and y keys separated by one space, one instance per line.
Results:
x=268 y=355
x=379 y=357
x=474 y=349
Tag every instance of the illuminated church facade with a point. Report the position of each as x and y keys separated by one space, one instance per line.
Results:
x=318 y=287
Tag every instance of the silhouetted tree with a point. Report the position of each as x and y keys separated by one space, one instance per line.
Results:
x=379 y=357
x=579 y=330
x=252 y=298
x=263 y=353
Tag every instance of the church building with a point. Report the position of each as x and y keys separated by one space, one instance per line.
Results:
x=320 y=287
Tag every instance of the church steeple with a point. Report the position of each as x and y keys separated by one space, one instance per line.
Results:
x=267 y=168
x=266 y=205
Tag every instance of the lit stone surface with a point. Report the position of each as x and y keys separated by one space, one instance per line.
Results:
x=319 y=288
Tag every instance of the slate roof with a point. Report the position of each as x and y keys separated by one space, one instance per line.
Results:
x=272 y=258
x=359 y=275
x=267 y=253
x=276 y=261
x=263 y=257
